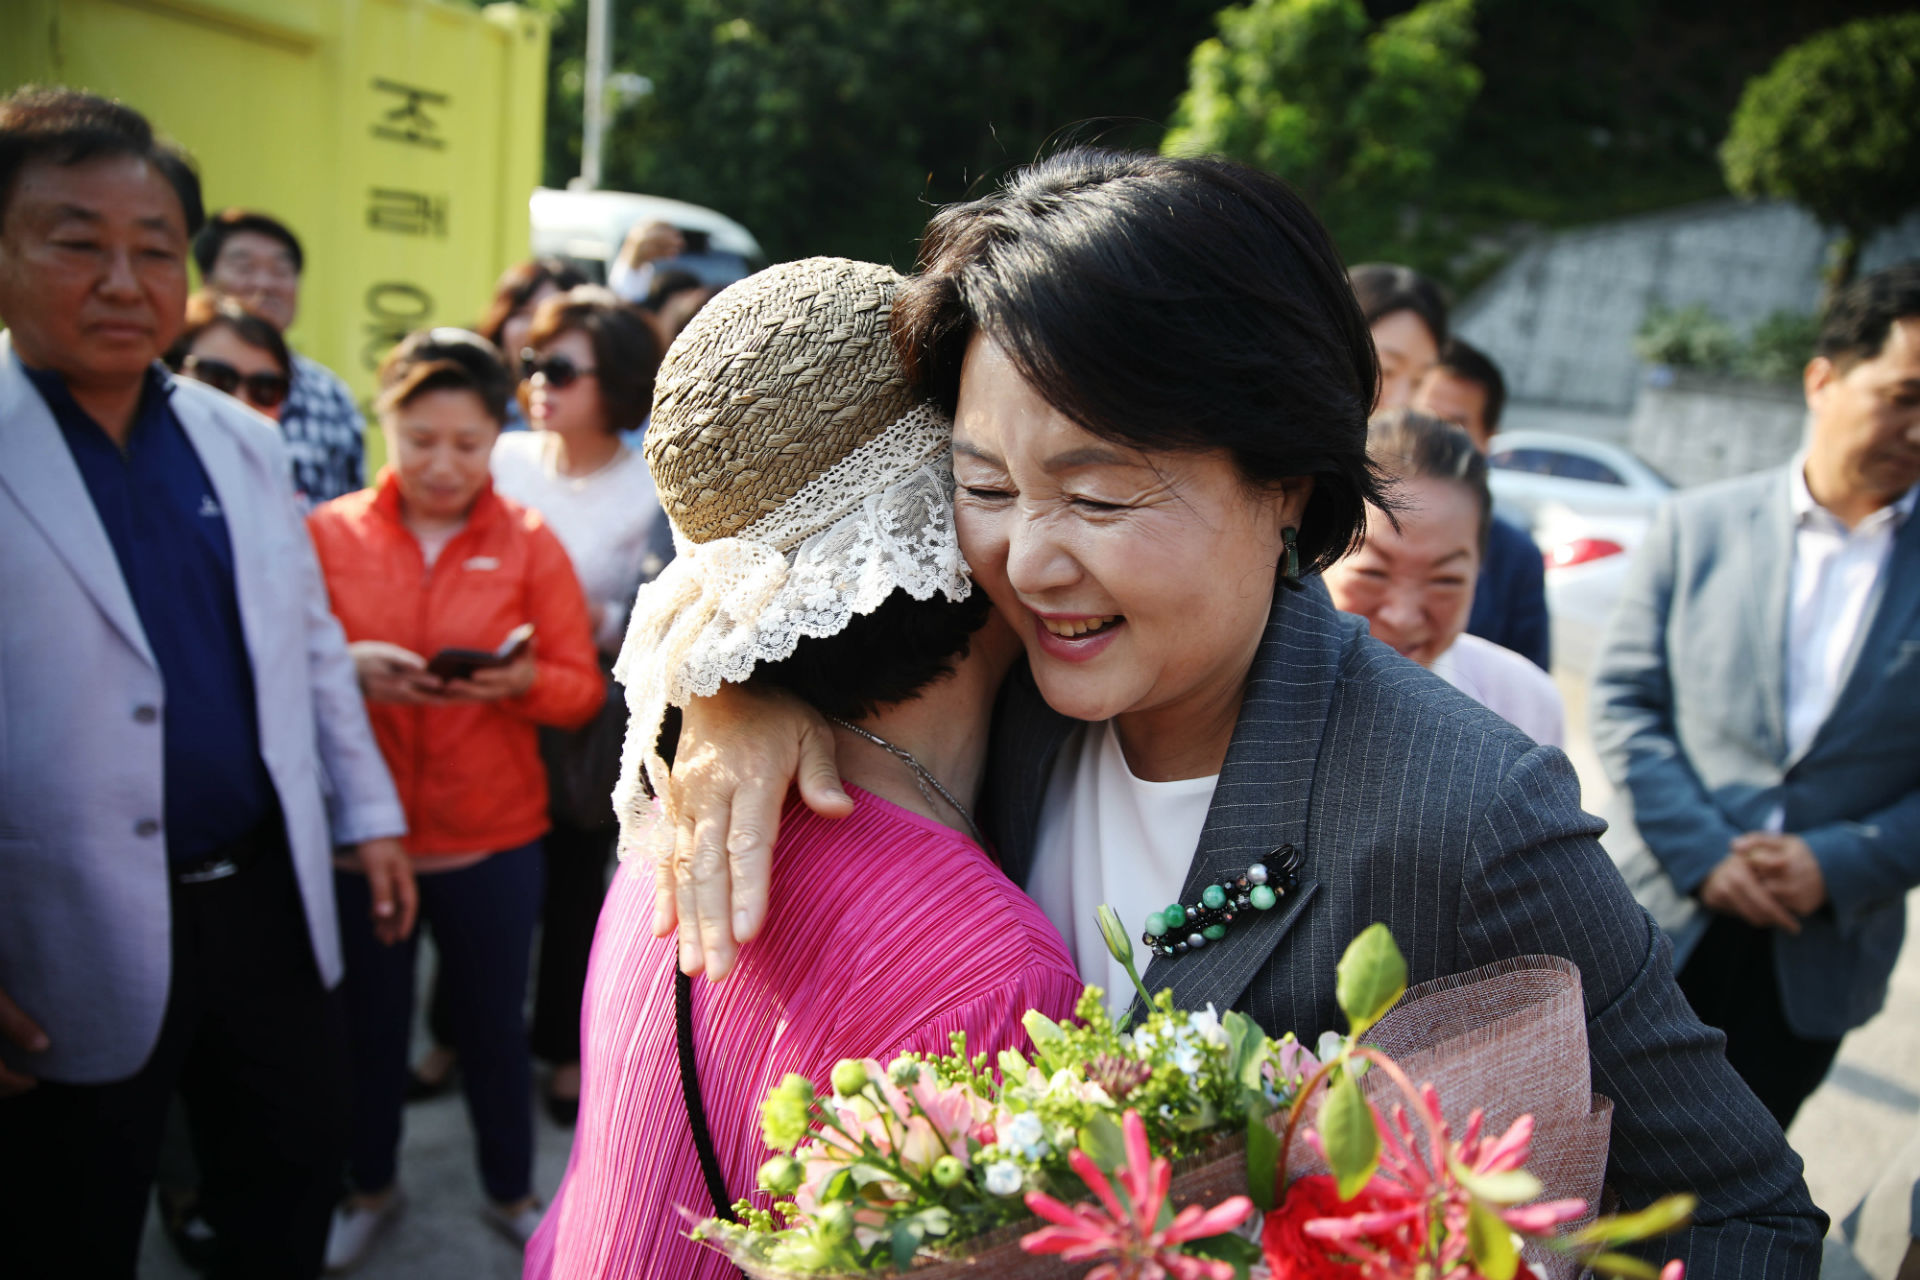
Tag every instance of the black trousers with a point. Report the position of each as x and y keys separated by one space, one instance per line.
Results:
x=1731 y=983
x=254 y=1044
x=576 y=886
x=577 y=861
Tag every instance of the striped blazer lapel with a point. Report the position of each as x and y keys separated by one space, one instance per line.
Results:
x=1262 y=800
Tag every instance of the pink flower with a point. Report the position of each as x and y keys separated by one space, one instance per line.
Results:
x=1123 y=1228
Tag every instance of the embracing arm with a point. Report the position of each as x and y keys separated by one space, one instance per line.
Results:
x=1537 y=882
x=739 y=752
x=1633 y=721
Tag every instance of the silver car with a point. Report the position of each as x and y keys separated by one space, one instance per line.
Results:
x=1588 y=504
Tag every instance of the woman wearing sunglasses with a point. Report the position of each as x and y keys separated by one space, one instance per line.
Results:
x=233 y=350
x=589 y=365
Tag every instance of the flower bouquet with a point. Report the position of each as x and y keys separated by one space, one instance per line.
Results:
x=1189 y=1144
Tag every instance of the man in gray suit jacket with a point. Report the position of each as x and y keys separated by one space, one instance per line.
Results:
x=182 y=741
x=1758 y=706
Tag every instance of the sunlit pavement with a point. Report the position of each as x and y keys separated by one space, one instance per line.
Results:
x=1866 y=1111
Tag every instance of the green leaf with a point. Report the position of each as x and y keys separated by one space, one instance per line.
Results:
x=1246 y=1049
x=1235 y=1250
x=1371 y=977
x=1263 y=1157
x=1620 y=1264
x=1657 y=1219
x=1048 y=1039
x=1352 y=1142
x=1103 y=1142
x=1013 y=1065
x=1490 y=1241
x=906 y=1243
x=1516 y=1186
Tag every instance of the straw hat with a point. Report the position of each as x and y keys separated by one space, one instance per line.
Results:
x=804 y=484
x=774 y=381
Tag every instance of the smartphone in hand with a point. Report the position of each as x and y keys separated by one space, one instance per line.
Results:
x=460 y=664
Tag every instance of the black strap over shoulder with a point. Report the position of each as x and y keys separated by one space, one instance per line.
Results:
x=696 y=1108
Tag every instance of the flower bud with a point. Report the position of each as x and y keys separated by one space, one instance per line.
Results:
x=780 y=1176
x=835 y=1221
x=1115 y=933
x=787 y=1112
x=849 y=1077
x=947 y=1172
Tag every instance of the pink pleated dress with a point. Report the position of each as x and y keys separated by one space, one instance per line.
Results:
x=886 y=933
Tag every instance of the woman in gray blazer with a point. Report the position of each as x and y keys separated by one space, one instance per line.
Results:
x=1160 y=381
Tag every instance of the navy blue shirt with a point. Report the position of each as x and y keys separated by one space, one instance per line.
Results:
x=1510 y=600
x=176 y=557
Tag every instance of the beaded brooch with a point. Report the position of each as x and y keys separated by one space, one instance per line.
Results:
x=1258 y=890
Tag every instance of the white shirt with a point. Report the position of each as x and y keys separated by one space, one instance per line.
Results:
x=1506 y=684
x=605 y=519
x=1106 y=836
x=1831 y=598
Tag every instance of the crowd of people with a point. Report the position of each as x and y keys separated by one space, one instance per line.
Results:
x=267 y=718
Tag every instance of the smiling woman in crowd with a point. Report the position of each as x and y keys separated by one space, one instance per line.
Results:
x=1414 y=577
x=1161 y=383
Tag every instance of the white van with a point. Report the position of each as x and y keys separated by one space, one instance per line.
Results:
x=588 y=227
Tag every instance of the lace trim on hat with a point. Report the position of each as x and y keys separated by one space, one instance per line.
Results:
x=879 y=520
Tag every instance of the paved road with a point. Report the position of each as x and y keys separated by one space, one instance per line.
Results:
x=1866 y=1111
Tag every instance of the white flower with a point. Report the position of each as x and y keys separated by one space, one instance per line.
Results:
x=1331 y=1042
x=1186 y=1057
x=1207 y=1026
x=1025 y=1133
x=1003 y=1178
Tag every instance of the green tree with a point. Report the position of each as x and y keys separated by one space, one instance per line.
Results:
x=834 y=126
x=1354 y=115
x=1834 y=126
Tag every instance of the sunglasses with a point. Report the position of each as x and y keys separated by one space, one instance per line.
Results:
x=559 y=371
x=261 y=390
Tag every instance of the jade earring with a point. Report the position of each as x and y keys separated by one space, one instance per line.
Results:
x=1290 y=568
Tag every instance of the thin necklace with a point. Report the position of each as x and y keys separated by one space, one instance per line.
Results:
x=922 y=777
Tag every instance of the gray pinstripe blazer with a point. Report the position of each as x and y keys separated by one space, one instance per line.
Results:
x=1416 y=806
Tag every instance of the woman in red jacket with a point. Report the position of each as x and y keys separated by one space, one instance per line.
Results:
x=430 y=560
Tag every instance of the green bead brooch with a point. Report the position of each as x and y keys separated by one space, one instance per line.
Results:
x=1179 y=929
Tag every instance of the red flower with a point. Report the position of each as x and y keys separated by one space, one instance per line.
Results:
x=1291 y=1253
x=1124 y=1228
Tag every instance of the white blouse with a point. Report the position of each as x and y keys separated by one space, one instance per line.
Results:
x=605 y=519
x=1106 y=836
x=1506 y=684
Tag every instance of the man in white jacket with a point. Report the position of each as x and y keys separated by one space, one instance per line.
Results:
x=182 y=741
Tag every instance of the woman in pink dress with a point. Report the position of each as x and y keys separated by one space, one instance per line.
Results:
x=810 y=497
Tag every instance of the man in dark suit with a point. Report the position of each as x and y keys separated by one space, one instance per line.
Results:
x=1464 y=387
x=1758 y=706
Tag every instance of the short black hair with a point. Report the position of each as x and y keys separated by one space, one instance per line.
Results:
x=1163 y=302
x=207 y=310
x=68 y=127
x=1386 y=287
x=1857 y=322
x=445 y=359
x=226 y=224
x=1409 y=445
x=880 y=658
x=1465 y=361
